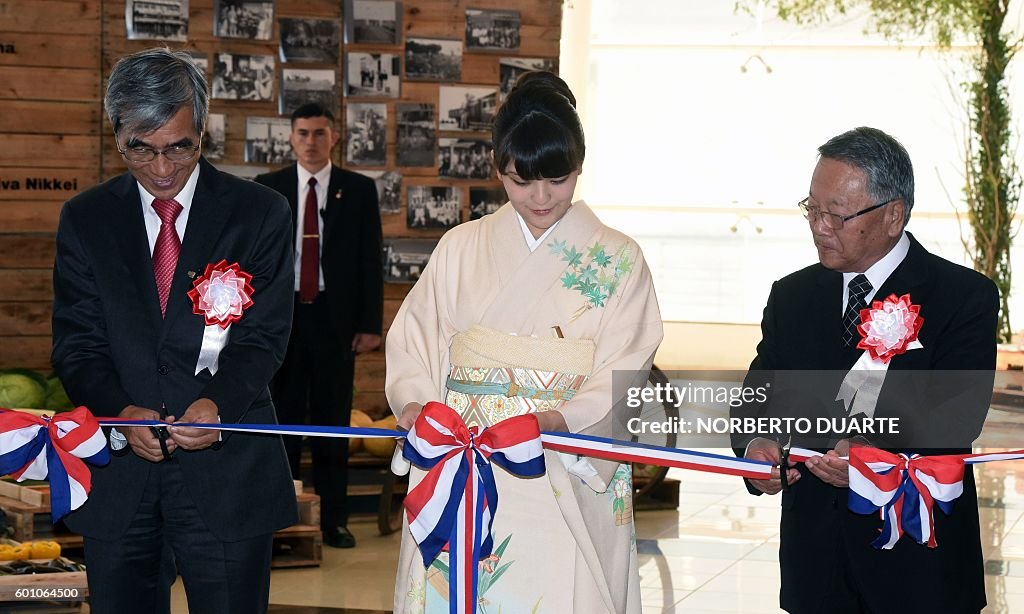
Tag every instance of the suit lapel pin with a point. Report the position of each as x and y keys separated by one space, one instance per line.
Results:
x=191 y=274
x=337 y=195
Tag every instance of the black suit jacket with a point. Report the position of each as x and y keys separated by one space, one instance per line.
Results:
x=352 y=248
x=111 y=348
x=802 y=330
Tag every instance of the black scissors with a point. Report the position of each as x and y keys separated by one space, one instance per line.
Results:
x=161 y=434
x=784 y=461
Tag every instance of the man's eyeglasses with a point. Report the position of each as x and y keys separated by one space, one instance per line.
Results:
x=834 y=220
x=174 y=153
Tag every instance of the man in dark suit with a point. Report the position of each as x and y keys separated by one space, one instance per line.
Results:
x=860 y=199
x=127 y=343
x=339 y=302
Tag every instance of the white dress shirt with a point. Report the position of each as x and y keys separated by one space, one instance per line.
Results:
x=878 y=272
x=183 y=198
x=323 y=181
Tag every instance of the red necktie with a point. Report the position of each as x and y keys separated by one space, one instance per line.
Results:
x=309 y=272
x=166 y=249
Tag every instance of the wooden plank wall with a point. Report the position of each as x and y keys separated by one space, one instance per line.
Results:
x=49 y=150
x=64 y=51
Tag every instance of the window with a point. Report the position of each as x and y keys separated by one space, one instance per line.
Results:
x=702 y=127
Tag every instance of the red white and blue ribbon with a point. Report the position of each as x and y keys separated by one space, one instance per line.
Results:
x=905 y=488
x=454 y=504
x=53 y=449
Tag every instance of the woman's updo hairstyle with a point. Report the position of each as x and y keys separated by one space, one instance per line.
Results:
x=537 y=127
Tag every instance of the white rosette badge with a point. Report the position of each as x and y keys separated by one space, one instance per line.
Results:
x=887 y=329
x=221 y=295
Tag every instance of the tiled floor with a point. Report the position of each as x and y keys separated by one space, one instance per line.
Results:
x=717 y=553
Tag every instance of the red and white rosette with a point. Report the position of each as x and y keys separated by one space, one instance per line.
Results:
x=887 y=329
x=221 y=295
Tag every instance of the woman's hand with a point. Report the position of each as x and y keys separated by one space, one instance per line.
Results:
x=409 y=414
x=552 y=422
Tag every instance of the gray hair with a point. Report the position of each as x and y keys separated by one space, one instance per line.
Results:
x=147 y=88
x=882 y=158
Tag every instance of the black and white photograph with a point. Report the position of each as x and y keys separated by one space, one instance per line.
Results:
x=498 y=30
x=416 y=134
x=302 y=85
x=510 y=69
x=366 y=130
x=433 y=59
x=485 y=201
x=201 y=60
x=467 y=108
x=373 y=21
x=165 y=20
x=389 y=190
x=433 y=206
x=309 y=40
x=464 y=159
x=252 y=19
x=372 y=75
x=405 y=259
x=214 y=137
x=243 y=77
x=266 y=140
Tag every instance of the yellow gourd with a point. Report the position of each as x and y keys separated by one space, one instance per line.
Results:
x=382 y=446
x=360 y=419
x=6 y=552
x=45 y=549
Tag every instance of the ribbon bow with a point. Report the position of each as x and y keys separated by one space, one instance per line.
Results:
x=37 y=448
x=455 y=502
x=904 y=488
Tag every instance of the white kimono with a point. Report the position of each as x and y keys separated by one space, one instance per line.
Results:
x=477 y=332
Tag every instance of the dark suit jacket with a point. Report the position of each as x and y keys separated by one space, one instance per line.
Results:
x=352 y=248
x=802 y=330
x=112 y=349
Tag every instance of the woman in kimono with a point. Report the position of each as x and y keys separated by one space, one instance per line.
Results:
x=531 y=309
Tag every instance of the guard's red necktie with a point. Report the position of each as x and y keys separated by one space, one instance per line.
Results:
x=166 y=249
x=309 y=271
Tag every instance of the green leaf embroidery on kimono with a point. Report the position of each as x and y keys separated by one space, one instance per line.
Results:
x=573 y=257
x=596 y=297
x=598 y=277
x=487 y=579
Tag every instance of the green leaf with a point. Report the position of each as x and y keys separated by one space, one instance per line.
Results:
x=556 y=247
x=501 y=547
x=499 y=571
x=569 y=280
x=573 y=257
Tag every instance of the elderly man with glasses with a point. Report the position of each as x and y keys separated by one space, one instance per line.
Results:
x=135 y=337
x=860 y=199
